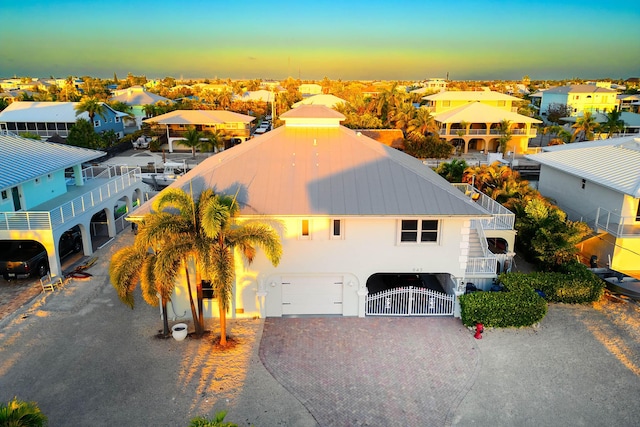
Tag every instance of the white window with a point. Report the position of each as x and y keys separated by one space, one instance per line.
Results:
x=419 y=230
x=96 y=123
x=304 y=229
x=337 y=229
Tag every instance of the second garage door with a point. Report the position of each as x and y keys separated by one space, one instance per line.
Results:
x=312 y=295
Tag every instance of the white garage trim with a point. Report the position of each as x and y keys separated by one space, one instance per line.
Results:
x=312 y=295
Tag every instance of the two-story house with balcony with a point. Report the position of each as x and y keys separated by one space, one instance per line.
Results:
x=579 y=98
x=176 y=123
x=598 y=182
x=366 y=229
x=471 y=120
x=46 y=189
x=47 y=119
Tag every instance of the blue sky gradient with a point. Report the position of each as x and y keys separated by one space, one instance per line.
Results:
x=402 y=40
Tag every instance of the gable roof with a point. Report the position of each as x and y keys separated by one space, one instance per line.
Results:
x=199 y=117
x=24 y=159
x=470 y=95
x=320 y=170
x=50 y=112
x=478 y=112
x=613 y=163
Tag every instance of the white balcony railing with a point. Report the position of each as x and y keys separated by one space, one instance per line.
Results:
x=502 y=218
x=116 y=184
x=616 y=224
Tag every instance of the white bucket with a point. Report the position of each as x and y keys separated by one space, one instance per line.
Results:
x=179 y=331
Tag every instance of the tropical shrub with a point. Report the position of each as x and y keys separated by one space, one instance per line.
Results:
x=17 y=413
x=518 y=306
x=218 y=421
x=574 y=285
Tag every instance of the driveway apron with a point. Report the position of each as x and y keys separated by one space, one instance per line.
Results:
x=372 y=371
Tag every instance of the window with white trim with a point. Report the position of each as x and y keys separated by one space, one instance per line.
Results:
x=305 y=233
x=117 y=119
x=96 y=123
x=419 y=230
x=337 y=229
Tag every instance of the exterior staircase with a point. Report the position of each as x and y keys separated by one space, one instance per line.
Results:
x=475 y=246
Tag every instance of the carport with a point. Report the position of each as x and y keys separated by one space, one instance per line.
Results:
x=410 y=294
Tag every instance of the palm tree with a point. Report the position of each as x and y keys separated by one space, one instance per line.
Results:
x=614 y=123
x=92 y=106
x=135 y=264
x=214 y=142
x=423 y=122
x=229 y=236
x=192 y=139
x=585 y=127
x=17 y=413
x=403 y=116
x=173 y=239
x=505 y=135
x=150 y=110
x=224 y=99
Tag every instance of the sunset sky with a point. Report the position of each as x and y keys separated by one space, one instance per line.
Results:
x=386 y=40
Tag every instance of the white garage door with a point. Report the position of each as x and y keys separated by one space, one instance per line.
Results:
x=312 y=295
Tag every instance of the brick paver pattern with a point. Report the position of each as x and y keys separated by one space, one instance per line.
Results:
x=374 y=371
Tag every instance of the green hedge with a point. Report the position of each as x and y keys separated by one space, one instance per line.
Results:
x=519 y=306
x=576 y=285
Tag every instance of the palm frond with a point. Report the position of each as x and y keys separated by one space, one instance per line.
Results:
x=124 y=272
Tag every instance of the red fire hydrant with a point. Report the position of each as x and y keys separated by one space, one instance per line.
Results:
x=479 y=331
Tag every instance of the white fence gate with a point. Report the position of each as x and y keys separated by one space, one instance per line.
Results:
x=409 y=301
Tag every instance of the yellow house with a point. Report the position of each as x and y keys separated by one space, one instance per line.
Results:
x=471 y=120
x=580 y=98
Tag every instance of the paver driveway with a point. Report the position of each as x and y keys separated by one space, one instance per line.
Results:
x=372 y=371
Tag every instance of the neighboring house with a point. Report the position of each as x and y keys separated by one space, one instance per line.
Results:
x=631 y=123
x=579 y=98
x=598 y=182
x=137 y=97
x=431 y=86
x=356 y=219
x=45 y=190
x=176 y=123
x=261 y=95
x=630 y=103
x=307 y=89
x=327 y=100
x=471 y=120
x=47 y=119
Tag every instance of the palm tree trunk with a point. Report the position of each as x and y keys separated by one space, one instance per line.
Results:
x=194 y=314
x=200 y=298
x=165 y=320
x=223 y=324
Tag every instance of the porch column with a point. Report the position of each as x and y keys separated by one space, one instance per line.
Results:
x=362 y=299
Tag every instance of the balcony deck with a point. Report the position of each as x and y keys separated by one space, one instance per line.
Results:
x=100 y=184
